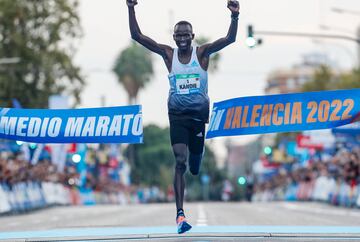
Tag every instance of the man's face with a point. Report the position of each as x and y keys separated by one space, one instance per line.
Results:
x=183 y=36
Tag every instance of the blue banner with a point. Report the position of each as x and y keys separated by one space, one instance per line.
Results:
x=89 y=125
x=352 y=129
x=284 y=113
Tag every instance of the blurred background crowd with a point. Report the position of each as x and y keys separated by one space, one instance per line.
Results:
x=334 y=179
x=30 y=178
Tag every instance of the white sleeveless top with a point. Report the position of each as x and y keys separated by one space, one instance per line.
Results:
x=188 y=94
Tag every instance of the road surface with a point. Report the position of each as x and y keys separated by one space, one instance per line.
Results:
x=276 y=221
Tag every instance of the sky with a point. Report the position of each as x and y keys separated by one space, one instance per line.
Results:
x=242 y=71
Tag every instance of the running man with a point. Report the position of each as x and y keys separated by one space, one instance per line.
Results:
x=188 y=101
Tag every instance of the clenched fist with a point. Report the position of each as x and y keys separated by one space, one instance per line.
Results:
x=131 y=3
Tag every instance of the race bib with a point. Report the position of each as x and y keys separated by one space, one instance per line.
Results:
x=187 y=84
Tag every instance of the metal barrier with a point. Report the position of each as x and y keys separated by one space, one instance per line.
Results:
x=23 y=197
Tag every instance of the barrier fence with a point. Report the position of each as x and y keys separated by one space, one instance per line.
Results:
x=28 y=196
x=24 y=197
x=323 y=189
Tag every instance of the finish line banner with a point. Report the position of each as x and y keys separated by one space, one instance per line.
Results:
x=89 y=125
x=284 y=113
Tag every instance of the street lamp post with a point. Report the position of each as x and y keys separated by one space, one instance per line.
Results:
x=346 y=50
x=327 y=28
x=354 y=13
x=341 y=10
x=252 y=32
x=310 y=35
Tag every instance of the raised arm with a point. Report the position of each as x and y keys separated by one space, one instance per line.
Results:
x=143 y=39
x=208 y=49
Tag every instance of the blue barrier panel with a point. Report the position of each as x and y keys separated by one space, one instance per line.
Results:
x=87 y=196
x=4 y=202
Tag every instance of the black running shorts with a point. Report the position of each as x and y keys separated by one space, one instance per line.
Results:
x=189 y=132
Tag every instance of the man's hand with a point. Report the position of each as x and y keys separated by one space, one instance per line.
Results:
x=234 y=6
x=131 y=3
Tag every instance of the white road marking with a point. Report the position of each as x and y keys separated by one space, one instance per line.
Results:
x=201 y=221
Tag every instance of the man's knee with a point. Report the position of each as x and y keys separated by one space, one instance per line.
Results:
x=180 y=163
x=194 y=171
x=195 y=161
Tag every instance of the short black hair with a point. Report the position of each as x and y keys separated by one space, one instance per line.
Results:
x=183 y=23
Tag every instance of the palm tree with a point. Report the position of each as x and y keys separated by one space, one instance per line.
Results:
x=134 y=69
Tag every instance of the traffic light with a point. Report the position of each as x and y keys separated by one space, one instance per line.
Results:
x=242 y=180
x=19 y=143
x=32 y=146
x=267 y=150
x=76 y=158
x=251 y=41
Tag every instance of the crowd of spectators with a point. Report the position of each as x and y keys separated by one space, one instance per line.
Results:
x=335 y=179
x=106 y=180
x=14 y=169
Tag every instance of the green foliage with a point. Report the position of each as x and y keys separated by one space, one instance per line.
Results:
x=214 y=59
x=154 y=160
x=325 y=79
x=217 y=176
x=134 y=68
x=350 y=80
x=39 y=32
x=154 y=165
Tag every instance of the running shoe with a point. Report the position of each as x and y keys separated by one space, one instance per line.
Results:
x=182 y=224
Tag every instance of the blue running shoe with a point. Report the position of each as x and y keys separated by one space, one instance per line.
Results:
x=182 y=224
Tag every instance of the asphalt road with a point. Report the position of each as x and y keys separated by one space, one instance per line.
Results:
x=277 y=221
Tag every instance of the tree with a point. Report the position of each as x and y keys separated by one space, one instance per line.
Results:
x=323 y=79
x=154 y=159
x=208 y=168
x=214 y=59
x=134 y=69
x=39 y=33
x=154 y=165
x=350 y=80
